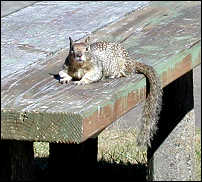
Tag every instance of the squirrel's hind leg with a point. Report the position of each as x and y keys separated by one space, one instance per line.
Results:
x=93 y=75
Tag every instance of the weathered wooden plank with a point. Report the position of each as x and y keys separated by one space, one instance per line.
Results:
x=89 y=109
x=41 y=126
x=40 y=30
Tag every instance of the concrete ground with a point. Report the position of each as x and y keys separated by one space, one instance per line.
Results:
x=197 y=95
x=9 y=7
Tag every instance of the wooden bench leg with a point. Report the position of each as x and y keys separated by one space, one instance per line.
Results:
x=75 y=160
x=16 y=161
x=172 y=153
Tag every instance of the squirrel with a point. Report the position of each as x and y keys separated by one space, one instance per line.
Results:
x=89 y=63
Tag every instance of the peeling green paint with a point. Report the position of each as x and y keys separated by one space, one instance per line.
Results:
x=120 y=93
x=171 y=62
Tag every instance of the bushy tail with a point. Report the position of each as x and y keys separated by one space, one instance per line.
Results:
x=152 y=106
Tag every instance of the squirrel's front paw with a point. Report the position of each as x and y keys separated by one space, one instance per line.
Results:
x=64 y=77
x=64 y=80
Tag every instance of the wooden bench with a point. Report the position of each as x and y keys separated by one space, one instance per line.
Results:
x=36 y=107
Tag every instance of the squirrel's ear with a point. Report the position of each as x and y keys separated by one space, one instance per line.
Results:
x=87 y=40
x=71 y=42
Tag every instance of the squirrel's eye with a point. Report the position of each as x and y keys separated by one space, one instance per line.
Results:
x=87 y=49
